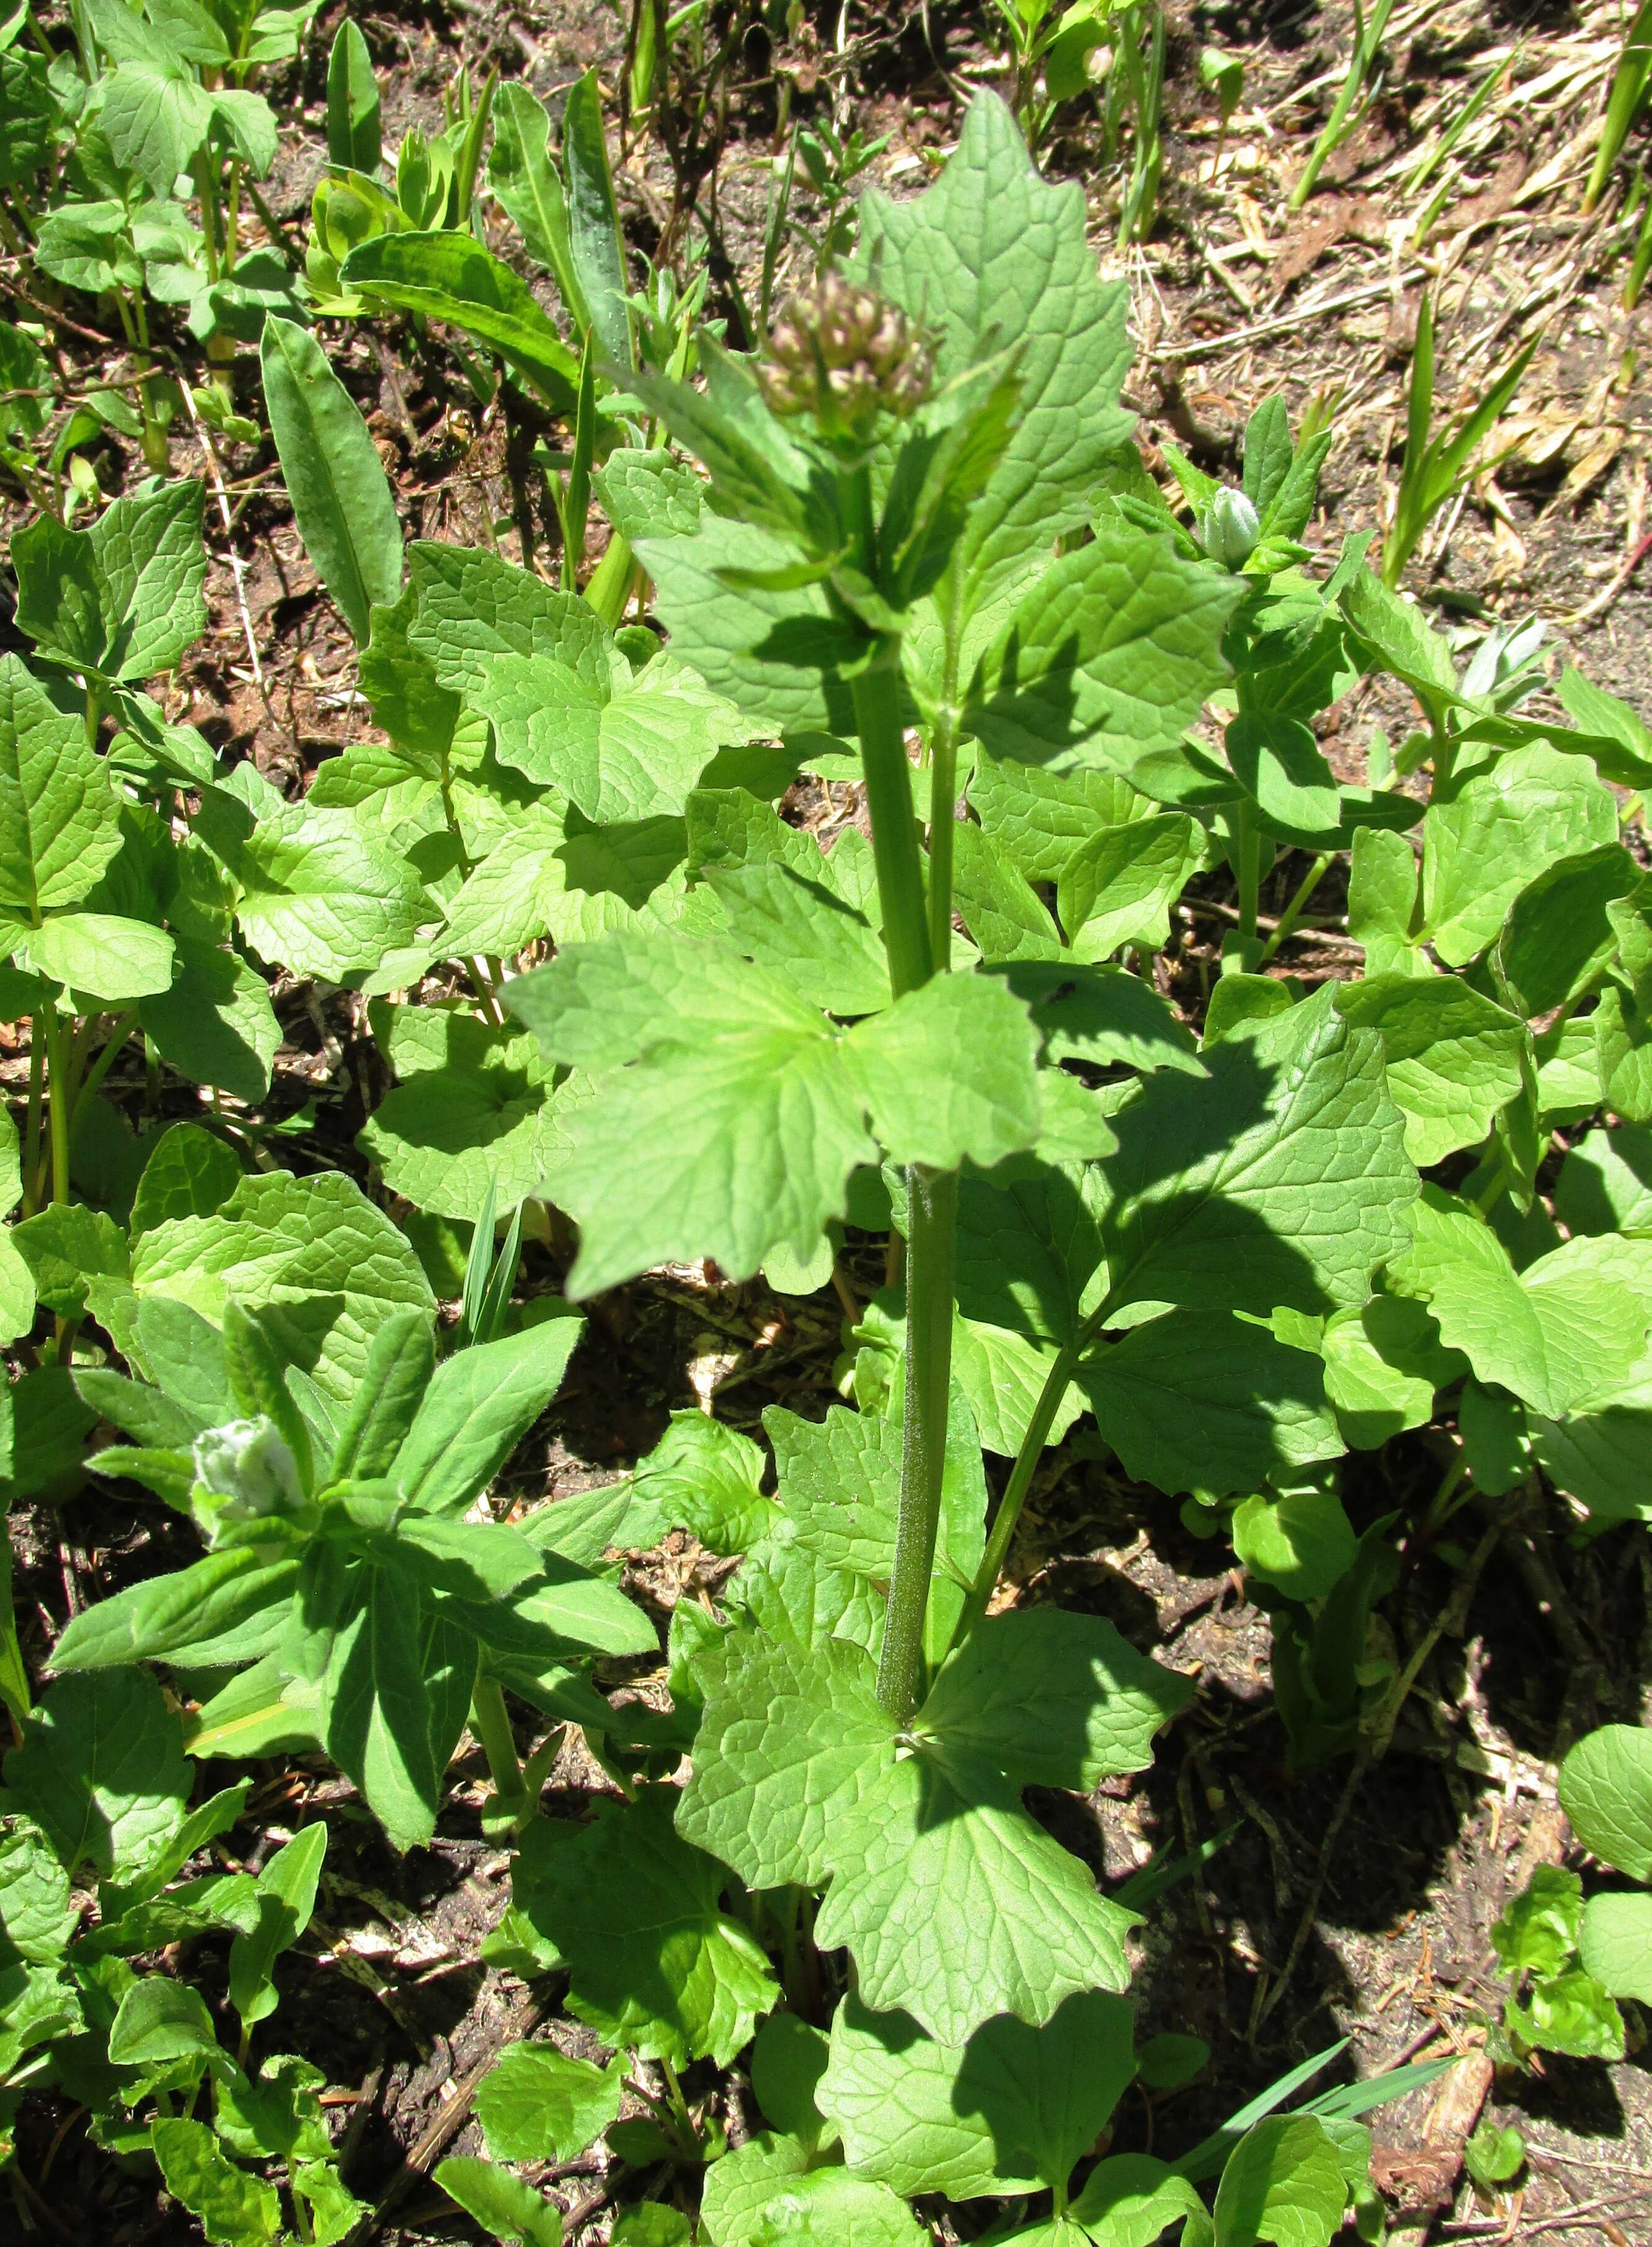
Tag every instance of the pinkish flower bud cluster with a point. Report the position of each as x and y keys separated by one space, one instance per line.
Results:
x=845 y=356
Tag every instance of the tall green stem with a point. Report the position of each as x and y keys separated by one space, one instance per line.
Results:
x=943 y=788
x=59 y=1107
x=206 y=177
x=909 y=922
x=943 y=792
x=1250 y=870
x=31 y=1129
x=492 y=1721
x=896 y=856
x=49 y=1030
x=931 y=1225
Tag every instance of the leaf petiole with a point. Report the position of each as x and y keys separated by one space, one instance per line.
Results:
x=1026 y=1459
x=492 y=1722
x=49 y=1032
x=889 y=799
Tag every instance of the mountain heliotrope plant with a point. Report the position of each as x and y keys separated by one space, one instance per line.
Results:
x=912 y=544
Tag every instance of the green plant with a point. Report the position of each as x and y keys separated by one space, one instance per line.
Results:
x=1606 y=1790
x=363 y=1612
x=1570 y=1960
x=1359 y=85
x=1135 y=87
x=1055 y=55
x=90 y=874
x=1580 y=1956
x=162 y=100
x=1440 y=464
x=1624 y=103
x=1223 y=75
x=96 y=1792
x=871 y=2114
x=1556 y=2004
x=432 y=194
x=1494 y=2156
x=833 y=162
x=1053 y=47
x=1637 y=205
x=1480 y=95
x=603 y=989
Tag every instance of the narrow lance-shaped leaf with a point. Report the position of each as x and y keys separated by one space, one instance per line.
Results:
x=448 y=277
x=353 y=103
x=286 y=1899
x=341 y=497
x=523 y=173
x=597 y=250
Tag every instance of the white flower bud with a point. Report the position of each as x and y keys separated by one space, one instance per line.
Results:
x=247 y=1465
x=1229 y=527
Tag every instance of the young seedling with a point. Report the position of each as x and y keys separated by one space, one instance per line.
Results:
x=1223 y=75
x=1623 y=103
x=1438 y=464
x=1358 y=86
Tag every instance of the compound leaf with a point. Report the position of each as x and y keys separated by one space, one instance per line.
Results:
x=799 y=1777
x=1205 y=1402
x=313 y=1254
x=1499 y=830
x=1453 y=1057
x=484 y=1126
x=1570 y=1326
x=538 y=2104
x=1109 y=658
x=59 y=820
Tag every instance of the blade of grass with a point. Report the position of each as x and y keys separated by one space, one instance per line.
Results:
x=1367 y=36
x=1623 y=103
x=1465 y=117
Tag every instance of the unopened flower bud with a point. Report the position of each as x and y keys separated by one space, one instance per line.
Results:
x=246 y=1466
x=1229 y=527
x=845 y=356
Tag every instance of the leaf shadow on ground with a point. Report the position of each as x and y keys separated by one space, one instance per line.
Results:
x=1428 y=1853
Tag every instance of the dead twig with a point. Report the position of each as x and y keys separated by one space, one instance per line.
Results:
x=1345 y=301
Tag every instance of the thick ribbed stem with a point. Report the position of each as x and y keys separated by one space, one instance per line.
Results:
x=910 y=921
x=932 y=1224
x=889 y=799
